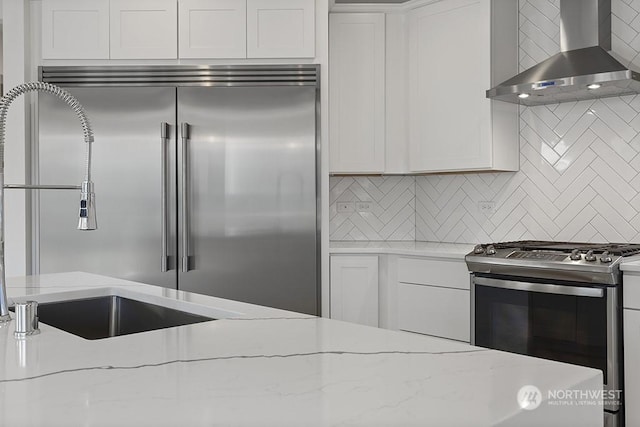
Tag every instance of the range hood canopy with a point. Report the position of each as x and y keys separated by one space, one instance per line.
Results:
x=582 y=70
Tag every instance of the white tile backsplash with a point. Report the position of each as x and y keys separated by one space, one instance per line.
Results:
x=392 y=215
x=580 y=166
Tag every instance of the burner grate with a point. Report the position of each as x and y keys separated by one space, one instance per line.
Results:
x=617 y=249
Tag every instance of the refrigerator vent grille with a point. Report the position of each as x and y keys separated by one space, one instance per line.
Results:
x=258 y=75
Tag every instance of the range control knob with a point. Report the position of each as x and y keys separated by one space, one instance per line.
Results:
x=478 y=249
x=491 y=250
x=590 y=257
x=605 y=257
x=575 y=255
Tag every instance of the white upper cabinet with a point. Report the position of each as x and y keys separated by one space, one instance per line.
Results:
x=357 y=92
x=143 y=29
x=408 y=97
x=280 y=28
x=452 y=62
x=75 y=29
x=173 y=29
x=212 y=29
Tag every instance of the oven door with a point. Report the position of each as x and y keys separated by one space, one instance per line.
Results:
x=568 y=323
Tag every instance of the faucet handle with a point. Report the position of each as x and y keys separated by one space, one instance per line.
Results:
x=87 y=219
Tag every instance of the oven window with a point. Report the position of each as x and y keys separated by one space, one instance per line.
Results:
x=557 y=327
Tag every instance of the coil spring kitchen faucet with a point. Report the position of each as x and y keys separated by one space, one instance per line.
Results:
x=87 y=219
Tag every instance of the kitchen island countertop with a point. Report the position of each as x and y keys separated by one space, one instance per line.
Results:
x=264 y=367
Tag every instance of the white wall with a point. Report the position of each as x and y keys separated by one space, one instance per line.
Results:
x=1 y=48
x=16 y=70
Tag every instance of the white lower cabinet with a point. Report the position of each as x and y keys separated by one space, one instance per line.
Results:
x=414 y=294
x=354 y=289
x=631 y=366
x=432 y=310
x=434 y=298
x=434 y=272
x=631 y=340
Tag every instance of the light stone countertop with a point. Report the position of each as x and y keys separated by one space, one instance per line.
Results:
x=412 y=248
x=264 y=367
x=631 y=264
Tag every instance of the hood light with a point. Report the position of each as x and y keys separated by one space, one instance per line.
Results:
x=594 y=86
x=523 y=95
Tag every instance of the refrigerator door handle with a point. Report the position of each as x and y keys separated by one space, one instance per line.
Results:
x=185 y=134
x=164 y=141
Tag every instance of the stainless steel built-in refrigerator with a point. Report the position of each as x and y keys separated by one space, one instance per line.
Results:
x=205 y=179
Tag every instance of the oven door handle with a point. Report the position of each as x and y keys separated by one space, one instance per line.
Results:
x=546 y=288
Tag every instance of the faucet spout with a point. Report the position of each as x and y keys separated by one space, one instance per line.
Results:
x=87 y=220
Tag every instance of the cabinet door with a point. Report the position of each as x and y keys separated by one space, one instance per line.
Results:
x=144 y=29
x=631 y=367
x=449 y=72
x=356 y=87
x=354 y=289
x=281 y=28
x=212 y=29
x=75 y=29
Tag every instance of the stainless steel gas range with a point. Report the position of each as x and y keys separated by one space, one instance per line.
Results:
x=554 y=300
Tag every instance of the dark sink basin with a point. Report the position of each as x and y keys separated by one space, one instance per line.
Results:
x=111 y=316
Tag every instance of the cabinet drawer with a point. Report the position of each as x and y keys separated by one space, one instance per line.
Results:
x=434 y=311
x=445 y=273
x=631 y=291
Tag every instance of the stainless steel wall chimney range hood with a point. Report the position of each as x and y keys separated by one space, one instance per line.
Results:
x=582 y=70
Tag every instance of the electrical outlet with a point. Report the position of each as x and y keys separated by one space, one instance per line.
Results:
x=344 y=207
x=363 y=206
x=487 y=208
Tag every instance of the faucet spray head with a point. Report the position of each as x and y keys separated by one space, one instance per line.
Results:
x=87 y=219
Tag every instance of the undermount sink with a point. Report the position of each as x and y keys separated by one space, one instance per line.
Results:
x=111 y=316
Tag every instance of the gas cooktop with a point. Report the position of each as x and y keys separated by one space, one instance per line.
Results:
x=618 y=249
x=591 y=262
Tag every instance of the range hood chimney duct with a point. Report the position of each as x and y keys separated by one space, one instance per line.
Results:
x=582 y=70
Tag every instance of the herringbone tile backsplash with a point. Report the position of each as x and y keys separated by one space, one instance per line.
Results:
x=579 y=175
x=393 y=211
